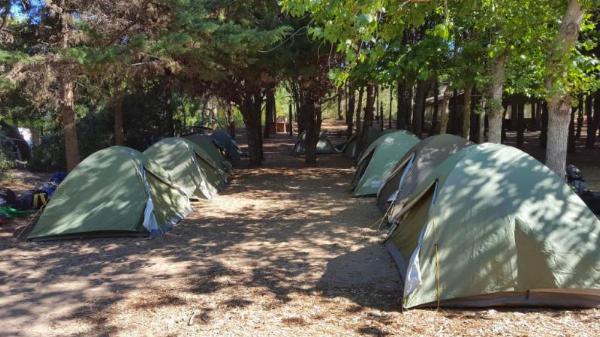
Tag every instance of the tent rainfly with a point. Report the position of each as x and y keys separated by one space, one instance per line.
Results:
x=324 y=145
x=492 y=226
x=184 y=161
x=379 y=159
x=416 y=165
x=115 y=191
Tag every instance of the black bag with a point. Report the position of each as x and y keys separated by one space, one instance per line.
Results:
x=7 y=197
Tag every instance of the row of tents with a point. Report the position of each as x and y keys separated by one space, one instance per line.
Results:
x=121 y=191
x=477 y=225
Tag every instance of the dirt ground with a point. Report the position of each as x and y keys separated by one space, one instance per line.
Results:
x=283 y=251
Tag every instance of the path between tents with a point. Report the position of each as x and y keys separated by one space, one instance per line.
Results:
x=282 y=251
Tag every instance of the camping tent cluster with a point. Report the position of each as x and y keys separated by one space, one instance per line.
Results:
x=480 y=225
x=121 y=191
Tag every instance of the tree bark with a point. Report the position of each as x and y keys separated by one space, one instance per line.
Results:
x=495 y=100
x=559 y=104
x=559 y=113
x=466 y=125
x=340 y=93
x=118 y=120
x=69 y=126
x=420 y=96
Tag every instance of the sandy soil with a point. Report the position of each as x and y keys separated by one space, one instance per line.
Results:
x=283 y=251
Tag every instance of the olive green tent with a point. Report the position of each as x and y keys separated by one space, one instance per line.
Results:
x=212 y=151
x=492 y=226
x=324 y=145
x=188 y=165
x=115 y=191
x=378 y=161
x=416 y=165
x=229 y=146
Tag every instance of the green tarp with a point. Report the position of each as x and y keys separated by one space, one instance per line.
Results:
x=378 y=161
x=114 y=191
x=188 y=165
x=493 y=226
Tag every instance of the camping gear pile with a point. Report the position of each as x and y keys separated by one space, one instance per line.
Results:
x=480 y=225
x=124 y=192
x=14 y=205
x=578 y=184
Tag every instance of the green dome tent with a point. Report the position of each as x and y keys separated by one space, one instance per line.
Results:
x=492 y=226
x=115 y=191
x=188 y=165
x=416 y=165
x=224 y=140
x=214 y=155
x=350 y=147
x=378 y=161
x=324 y=145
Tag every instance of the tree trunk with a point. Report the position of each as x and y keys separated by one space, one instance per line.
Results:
x=593 y=121
x=559 y=105
x=312 y=125
x=118 y=120
x=495 y=101
x=580 y=112
x=444 y=108
x=559 y=112
x=350 y=107
x=544 y=128
x=252 y=116
x=390 y=107
x=368 y=118
x=481 y=137
x=520 y=114
x=571 y=141
x=359 y=111
x=466 y=125
x=269 y=111
x=404 y=109
x=340 y=93
x=420 y=96
x=290 y=119
x=69 y=126
x=369 y=106
x=436 y=108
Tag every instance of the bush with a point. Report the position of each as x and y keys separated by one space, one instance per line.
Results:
x=5 y=165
